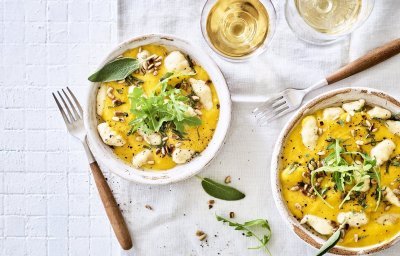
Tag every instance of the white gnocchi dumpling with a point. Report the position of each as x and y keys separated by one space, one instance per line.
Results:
x=176 y=61
x=202 y=90
x=332 y=114
x=354 y=106
x=391 y=197
x=142 y=158
x=309 y=132
x=181 y=155
x=100 y=99
x=393 y=126
x=354 y=219
x=322 y=226
x=153 y=138
x=382 y=151
x=380 y=113
x=388 y=219
x=110 y=136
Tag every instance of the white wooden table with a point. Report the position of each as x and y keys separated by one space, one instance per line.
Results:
x=48 y=205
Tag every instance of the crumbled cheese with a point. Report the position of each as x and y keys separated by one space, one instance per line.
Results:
x=176 y=61
x=393 y=126
x=151 y=138
x=388 y=219
x=144 y=54
x=378 y=112
x=309 y=132
x=109 y=136
x=190 y=112
x=141 y=158
x=130 y=89
x=382 y=151
x=366 y=180
x=354 y=106
x=100 y=99
x=322 y=226
x=202 y=90
x=391 y=197
x=354 y=219
x=181 y=156
x=332 y=114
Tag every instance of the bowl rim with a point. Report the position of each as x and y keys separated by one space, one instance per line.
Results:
x=304 y=234
x=179 y=172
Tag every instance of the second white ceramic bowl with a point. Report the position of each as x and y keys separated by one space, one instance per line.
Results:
x=104 y=154
x=332 y=98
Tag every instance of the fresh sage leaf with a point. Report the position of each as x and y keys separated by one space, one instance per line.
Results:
x=331 y=242
x=115 y=70
x=221 y=191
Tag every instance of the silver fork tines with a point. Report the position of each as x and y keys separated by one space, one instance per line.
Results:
x=71 y=112
x=68 y=107
x=282 y=103
x=273 y=108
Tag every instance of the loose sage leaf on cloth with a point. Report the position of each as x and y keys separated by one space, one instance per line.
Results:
x=263 y=239
x=331 y=242
x=115 y=70
x=221 y=191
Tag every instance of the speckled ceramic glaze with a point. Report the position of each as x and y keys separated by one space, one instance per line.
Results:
x=332 y=98
x=104 y=154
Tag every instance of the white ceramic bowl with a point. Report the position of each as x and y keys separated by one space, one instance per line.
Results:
x=104 y=154
x=332 y=98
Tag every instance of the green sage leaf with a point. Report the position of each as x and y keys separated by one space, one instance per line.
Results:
x=331 y=242
x=115 y=70
x=220 y=191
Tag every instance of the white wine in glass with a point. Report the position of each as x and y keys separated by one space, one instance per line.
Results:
x=325 y=21
x=329 y=16
x=236 y=29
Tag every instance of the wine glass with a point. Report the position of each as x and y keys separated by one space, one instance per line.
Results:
x=326 y=21
x=234 y=28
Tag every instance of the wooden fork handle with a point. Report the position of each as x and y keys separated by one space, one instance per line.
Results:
x=113 y=212
x=368 y=60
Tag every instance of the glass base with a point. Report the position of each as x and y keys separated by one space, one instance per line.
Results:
x=305 y=32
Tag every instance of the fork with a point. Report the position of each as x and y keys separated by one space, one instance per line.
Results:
x=72 y=114
x=290 y=99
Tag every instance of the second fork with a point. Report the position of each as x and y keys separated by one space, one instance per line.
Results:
x=290 y=99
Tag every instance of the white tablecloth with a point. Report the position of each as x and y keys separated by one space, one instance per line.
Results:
x=180 y=209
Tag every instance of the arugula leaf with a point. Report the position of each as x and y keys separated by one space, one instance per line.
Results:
x=114 y=70
x=166 y=75
x=356 y=187
x=154 y=111
x=169 y=76
x=220 y=191
x=262 y=223
x=343 y=173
